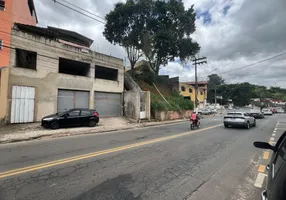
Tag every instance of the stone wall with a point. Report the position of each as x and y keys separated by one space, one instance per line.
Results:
x=172 y=115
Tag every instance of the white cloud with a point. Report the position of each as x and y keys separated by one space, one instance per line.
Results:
x=252 y=30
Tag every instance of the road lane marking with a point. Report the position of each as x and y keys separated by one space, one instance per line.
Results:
x=273 y=134
x=266 y=155
x=95 y=154
x=272 y=139
x=261 y=168
x=259 y=180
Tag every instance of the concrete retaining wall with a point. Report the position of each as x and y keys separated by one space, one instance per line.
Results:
x=132 y=104
x=172 y=115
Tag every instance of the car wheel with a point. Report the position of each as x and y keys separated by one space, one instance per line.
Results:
x=92 y=123
x=254 y=124
x=247 y=125
x=226 y=126
x=55 y=125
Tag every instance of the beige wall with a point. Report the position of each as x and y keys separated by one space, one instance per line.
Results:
x=46 y=78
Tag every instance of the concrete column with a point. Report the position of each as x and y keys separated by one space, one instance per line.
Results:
x=148 y=105
x=91 y=93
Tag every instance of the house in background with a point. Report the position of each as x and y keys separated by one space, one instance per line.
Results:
x=53 y=69
x=11 y=11
x=187 y=90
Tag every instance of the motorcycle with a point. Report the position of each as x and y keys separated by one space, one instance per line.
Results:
x=194 y=124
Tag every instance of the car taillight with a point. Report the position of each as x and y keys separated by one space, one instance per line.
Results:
x=96 y=114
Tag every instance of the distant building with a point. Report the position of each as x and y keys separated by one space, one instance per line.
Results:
x=187 y=90
x=11 y=11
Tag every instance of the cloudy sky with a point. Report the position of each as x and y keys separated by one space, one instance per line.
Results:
x=232 y=34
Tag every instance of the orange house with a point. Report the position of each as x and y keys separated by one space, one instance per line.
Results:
x=11 y=11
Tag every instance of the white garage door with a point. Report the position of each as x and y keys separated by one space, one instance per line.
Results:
x=107 y=104
x=68 y=99
x=23 y=104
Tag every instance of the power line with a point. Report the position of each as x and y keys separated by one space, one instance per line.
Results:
x=83 y=9
x=78 y=11
x=261 y=61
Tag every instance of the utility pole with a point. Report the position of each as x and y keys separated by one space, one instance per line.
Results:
x=215 y=96
x=197 y=61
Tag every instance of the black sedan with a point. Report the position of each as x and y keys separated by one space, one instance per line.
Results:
x=257 y=115
x=70 y=118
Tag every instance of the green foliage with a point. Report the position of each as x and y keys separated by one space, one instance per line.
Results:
x=176 y=101
x=214 y=82
x=160 y=29
x=167 y=33
x=147 y=75
x=242 y=93
x=123 y=26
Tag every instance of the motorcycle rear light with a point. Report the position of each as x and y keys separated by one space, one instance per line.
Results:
x=96 y=114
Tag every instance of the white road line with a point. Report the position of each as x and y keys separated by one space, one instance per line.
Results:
x=273 y=134
x=272 y=138
x=259 y=180
x=274 y=131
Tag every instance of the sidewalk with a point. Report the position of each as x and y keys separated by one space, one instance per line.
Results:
x=26 y=132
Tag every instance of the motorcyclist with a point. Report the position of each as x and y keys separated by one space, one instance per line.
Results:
x=195 y=118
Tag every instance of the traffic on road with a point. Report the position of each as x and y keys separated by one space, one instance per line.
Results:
x=161 y=162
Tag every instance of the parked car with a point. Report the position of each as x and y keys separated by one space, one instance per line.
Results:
x=257 y=114
x=276 y=183
x=213 y=111
x=205 y=111
x=267 y=111
x=241 y=119
x=73 y=117
x=280 y=110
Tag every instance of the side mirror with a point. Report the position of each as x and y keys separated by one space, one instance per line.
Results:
x=263 y=145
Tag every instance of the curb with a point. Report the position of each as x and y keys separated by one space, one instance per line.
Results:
x=59 y=135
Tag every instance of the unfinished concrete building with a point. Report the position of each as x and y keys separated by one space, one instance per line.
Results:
x=52 y=70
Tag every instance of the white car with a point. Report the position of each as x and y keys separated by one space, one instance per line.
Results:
x=204 y=111
x=267 y=111
x=242 y=119
x=213 y=110
x=280 y=110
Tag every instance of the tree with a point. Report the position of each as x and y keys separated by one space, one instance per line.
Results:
x=166 y=35
x=122 y=27
x=214 y=83
x=215 y=79
x=160 y=29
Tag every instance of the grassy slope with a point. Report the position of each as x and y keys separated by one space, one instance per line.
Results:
x=158 y=103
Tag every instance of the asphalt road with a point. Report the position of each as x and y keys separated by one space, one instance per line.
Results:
x=164 y=162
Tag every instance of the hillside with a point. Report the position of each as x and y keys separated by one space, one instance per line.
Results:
x=175 y=101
